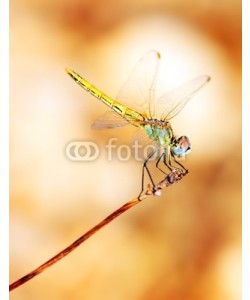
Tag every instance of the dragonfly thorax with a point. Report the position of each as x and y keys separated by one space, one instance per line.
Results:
x=157 y=123
x=159 y=130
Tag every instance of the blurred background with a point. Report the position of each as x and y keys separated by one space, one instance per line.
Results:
x=184 y=245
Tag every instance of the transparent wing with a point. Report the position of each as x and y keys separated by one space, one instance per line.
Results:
x=108 y=120
x=138 y=91
x=170 y=104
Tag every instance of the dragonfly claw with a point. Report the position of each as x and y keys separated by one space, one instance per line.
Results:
x=173 y=177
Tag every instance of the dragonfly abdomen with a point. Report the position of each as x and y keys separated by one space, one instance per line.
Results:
x=130 y=115
x=90 y=88
x=127 y=113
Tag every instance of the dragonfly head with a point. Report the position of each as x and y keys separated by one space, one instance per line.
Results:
x=181 y=146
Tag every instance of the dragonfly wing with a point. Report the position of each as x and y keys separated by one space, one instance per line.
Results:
x=110 y=119
x=138 y=91
x=170 y=104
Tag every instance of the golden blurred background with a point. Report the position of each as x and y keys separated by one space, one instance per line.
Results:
x=185 y=245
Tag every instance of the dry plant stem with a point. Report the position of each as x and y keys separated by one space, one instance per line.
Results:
x=74 y=245
x=173 y=177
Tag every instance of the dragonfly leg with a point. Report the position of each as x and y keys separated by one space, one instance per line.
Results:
x=158 y=161
x=167 y=159
x=168 y=163
x=186 y=170
x=144 y=166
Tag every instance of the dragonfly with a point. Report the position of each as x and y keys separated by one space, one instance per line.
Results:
x=135 y=104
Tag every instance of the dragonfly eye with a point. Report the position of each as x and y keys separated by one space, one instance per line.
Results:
x=181 y=147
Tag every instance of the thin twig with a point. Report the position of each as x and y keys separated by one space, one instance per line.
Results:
x=172 y=177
